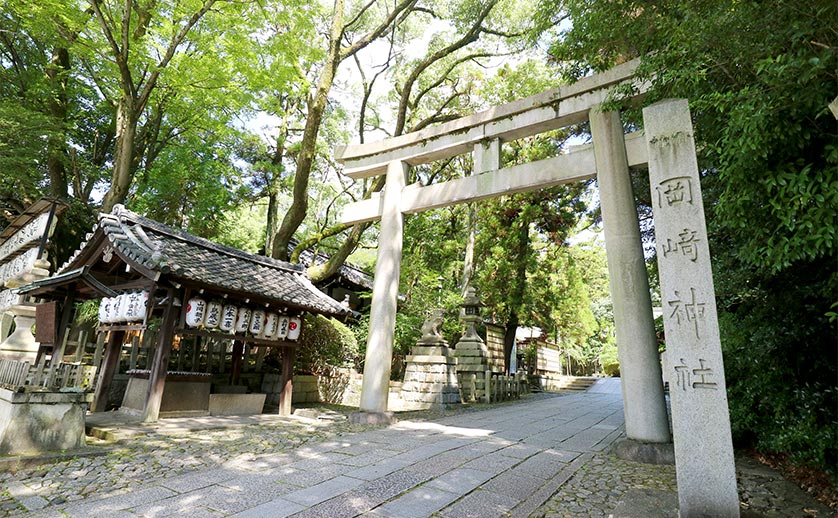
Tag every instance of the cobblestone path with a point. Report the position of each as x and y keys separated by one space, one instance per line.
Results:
x=153 y=457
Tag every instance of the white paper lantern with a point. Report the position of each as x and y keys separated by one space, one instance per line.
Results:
x=295 y=326
x=132 y=306
x=142 y=307
x=115 y=314
x=282 y=328
x=196 y=308
x=257 y=322
x=243 y=320
x=104 y=307
x=110 y=316
x=213 y=317
x=228 y=318
x=271 y=325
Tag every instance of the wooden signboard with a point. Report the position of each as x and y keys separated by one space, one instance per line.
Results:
x=46 y=318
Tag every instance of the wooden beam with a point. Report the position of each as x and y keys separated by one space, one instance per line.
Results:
x=574 y=166
x=548 y=110
x=236 y=369
x=107 y=370
x=160 y=365
x=287 y=381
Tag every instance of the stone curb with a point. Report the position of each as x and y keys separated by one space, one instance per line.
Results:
x=20 y=462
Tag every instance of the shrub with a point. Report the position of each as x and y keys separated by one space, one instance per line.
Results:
x=325 y=344
x=608 y=359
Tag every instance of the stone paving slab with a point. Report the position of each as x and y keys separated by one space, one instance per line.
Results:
x=277 y=508
x=480 y=504
x=323 y=491
x=479 y=463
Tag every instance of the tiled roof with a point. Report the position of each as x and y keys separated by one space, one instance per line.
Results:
x=180 y=255
x=348 y=271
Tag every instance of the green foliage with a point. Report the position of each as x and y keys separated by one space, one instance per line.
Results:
x=325 y=345
x=191 y=186
x=780 y=362
x=75 y=223
x=608 y=359
x=430 y=275
x=87 y=312
x=23 y=138
x=243 y=227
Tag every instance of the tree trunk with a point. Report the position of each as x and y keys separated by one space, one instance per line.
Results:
x=321 y=272
x=308 y=147
x=56 y=72
x=468 y=260
x=273 y=221
x=126 y=130
x=517 y=292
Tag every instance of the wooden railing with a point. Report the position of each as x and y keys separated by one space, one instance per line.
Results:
x=19 y=374
x=489 y=387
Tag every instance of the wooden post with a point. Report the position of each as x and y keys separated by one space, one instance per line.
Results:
x=157 y=377
x=106 y=372
x=236 y=369
x=180 y=353
x=81 y=346
x=287 y=381
x=260 y=357
x=147 y=347
x=135 y=350
x=487 y=386
x=246 y=361
x=196 y=352
x=222 y=355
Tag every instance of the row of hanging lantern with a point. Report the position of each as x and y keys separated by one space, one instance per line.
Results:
x=127 y=307
x=233 y=319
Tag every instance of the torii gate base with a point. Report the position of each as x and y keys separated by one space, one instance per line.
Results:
x=703 y=448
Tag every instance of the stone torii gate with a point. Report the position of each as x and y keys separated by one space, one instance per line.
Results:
x=703 y=450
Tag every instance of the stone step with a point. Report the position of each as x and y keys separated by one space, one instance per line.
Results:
x=562 y=384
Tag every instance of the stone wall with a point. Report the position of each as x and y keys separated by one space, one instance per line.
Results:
x=342 y=389
x=494 y=343
x=548 y=359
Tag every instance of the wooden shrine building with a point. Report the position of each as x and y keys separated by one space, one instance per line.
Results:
x=188 y=288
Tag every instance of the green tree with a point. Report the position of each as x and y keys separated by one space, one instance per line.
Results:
x=426 y=89
x=507 y=261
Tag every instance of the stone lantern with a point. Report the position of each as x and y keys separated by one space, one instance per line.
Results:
x=470 y=314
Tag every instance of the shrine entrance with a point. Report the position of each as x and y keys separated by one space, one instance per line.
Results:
x=701 y=425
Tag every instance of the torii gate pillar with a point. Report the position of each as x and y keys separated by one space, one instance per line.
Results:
x=385 y=292
x=643 y=399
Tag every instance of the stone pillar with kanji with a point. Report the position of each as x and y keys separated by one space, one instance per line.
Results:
x=700 y=419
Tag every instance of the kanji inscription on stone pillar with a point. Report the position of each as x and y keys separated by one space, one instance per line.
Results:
x=700 y=418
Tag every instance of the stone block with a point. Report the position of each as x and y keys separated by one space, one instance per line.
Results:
x=236 y=404
x=430 y=359
x=178 y=396
x=39 y=422
x=424 y=350
x=372 y=418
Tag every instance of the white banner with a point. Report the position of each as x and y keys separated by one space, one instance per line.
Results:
x=30 y=233
x=19 y=265
x=8 y=298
